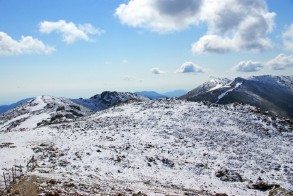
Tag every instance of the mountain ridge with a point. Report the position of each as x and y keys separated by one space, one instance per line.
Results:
x=273 y=94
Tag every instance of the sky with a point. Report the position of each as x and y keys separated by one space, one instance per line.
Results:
x=80 y=48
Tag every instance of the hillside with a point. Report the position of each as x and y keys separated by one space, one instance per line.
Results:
x=42 y=110
x=269 y=93
x=157 y=148
x=108 y=99
x=5 y=108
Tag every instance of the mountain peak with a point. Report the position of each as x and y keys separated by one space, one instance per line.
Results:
x=269 y=93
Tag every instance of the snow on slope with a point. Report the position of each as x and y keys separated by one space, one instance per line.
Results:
x=209 y=86
x=5 y=108
x=160 y=147
x=285 y=81
x=108 y=99
x=223 y=94
x=41 y=110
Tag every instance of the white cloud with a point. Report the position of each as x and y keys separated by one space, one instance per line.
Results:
x=157 y=71
x=248 y=66
x=189 y=67
x=26 y=45
x=233 y=25
x=288 y=38
x=69 y=31
x=159 y=15
x=281 y=62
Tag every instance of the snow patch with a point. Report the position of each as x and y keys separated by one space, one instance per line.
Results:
x=223 y=94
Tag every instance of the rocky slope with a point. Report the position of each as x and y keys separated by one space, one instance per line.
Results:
x=108 y=99
x=269 y=93
x=41 y=111
x=161 y=147
x=5 y=108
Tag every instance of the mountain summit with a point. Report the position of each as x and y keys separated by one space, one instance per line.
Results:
x=108 y=99
x=269 y=93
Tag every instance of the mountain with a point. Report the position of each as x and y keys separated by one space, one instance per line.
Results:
x=152 y=147
x=273 y=94
x=175 y=93
x=151 y=94
x=108 y=99
x=40 y=111
x=4 y=108
x=155 y=95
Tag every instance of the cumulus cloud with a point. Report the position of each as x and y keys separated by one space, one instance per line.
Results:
x=233 y=25
x=159 y=15
x=69 y=31
x=26 y=45
x=157 y=71
x=288 y=38
x=248 y=66
x=281 y=62
x=189 y=67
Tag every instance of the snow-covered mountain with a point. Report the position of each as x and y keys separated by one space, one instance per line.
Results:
x=269 y=93
x=41 y=111
x=151 y=94
x=5 y=108
x=108 y=99
x=155 y=147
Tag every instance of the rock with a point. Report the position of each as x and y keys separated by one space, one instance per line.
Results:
x=52 y=181
x=70 y=116
x=228 y=176
x=168 y=162
x=139 y=194
x=279 y=191
x=60 y=108
x=260 y=185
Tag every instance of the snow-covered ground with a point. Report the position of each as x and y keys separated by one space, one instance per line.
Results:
x=41 y=109
x=160 y=147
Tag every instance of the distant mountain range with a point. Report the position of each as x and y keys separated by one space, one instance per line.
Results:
x=107 y=99
x=273 y=94
x=155 y=95
x=151 y=94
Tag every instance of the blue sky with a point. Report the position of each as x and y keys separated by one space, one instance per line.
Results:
x=81 y=48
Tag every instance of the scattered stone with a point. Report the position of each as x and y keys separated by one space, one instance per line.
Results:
x=261 y=185
x=279 y=191
x=228 y=176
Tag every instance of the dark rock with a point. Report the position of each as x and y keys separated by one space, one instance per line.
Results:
x=228 y=176
x=139 y=194
x=260 y=185
x=168 y=162
x=60 y=108
x=70 y=116
x=75 y=107
x=279 y=191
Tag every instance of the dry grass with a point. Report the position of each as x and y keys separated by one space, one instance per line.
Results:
x=24 y=187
